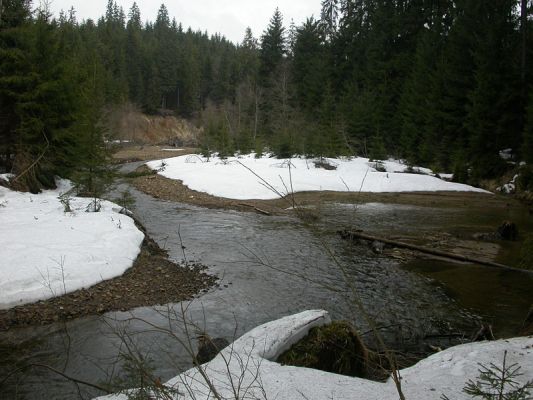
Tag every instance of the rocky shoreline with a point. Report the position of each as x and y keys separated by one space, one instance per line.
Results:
x=152 y=280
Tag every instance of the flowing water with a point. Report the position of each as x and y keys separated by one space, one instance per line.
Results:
x=269 y=267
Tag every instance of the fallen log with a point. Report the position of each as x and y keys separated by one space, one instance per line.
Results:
x=349 y=234
x=264 y=212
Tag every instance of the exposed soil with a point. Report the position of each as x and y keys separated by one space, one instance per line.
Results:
x=126 y=122
x=140 y=152
x=173 y=190
x=152 y=280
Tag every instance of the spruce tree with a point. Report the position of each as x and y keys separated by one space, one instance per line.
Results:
x=273 y=77
x=491 y=119
x=134 y=55
x=527 y=146
x=46 y=102
x=309 y=69
x=14 y=45
x=273 y=48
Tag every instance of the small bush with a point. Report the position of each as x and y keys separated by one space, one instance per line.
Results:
x=94 y=206
x=64 y=198
x=126 y=201
x=333 y=348
x=498 y=383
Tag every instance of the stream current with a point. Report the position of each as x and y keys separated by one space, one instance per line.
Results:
x=269 y=267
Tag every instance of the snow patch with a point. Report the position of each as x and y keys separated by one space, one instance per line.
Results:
x=6 y=177
x=506 y=154
x=247 y=177
x=510 y=187
x=47 y=252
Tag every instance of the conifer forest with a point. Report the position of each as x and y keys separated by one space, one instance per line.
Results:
x=442 y=83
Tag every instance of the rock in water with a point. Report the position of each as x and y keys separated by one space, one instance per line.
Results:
x=377 y=247
x=508 y=230
x=208 y=348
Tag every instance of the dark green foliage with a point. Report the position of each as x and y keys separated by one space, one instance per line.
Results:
x=377 y=149
x=273 y=47
x=527 y=145
x=38 y=88
x=441 y=84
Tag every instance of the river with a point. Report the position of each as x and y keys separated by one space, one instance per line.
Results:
x=272 y=266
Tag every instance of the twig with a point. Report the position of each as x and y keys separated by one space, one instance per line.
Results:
x=36 y=161
x=182 y=246
x=68 y=377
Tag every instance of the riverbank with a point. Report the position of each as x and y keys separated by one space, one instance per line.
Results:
x=443 y=373
x=144 y=152
x=482 y=244
x=152 y=280
x=174 y=190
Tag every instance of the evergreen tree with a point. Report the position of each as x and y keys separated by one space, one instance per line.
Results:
x=14 y=43
x=491 y=121
x=309 y=69
x=329 y=17
x=273 y=48
x=134 y=55
x=92 y=170
x=527 y=146
x=45 y=101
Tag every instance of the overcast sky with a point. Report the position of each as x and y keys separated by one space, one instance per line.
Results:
x=229 y=17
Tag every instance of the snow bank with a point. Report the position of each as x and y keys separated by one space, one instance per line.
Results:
x=46 y=252
x=247 y=366
x=248 y=178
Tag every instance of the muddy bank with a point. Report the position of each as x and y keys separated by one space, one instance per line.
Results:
x=152 y=280
x=139 y=152
x=163 y=188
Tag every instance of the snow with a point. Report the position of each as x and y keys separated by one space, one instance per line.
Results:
x=6 y=177
x=47 y=252
x=172 y=149
x=506 y=154
x=248 y=366
x=246 y=177
x=447 y=177
x=508 y=188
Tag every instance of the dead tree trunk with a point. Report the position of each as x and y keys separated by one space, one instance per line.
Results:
x=347 y=234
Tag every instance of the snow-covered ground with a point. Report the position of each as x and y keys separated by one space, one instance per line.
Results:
x=46 y=252
x=247 y=366
x=247 y=177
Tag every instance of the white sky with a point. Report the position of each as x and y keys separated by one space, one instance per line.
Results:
x=229 y=17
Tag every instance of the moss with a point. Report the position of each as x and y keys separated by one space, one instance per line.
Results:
x=333 y=348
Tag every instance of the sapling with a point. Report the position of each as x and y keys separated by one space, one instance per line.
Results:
x=162 y=166
x=125 y=201
x=64 y=198
x=94 y=206
x=498 y=383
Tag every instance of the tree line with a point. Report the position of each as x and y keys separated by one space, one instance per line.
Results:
x=441 y=83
